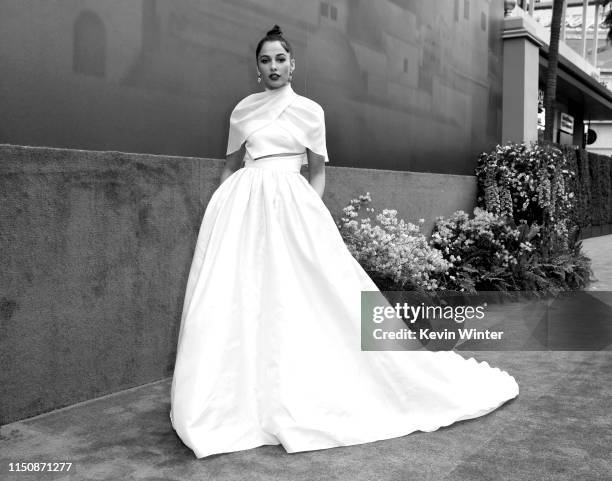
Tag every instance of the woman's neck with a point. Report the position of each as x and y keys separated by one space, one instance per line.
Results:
x=284 y=87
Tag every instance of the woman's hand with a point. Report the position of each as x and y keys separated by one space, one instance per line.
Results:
x=316 y=172
x=233 y=162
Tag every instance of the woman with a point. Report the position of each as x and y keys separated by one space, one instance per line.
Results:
x=269 y=345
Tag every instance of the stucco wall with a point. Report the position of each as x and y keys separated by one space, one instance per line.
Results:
x=95 y=249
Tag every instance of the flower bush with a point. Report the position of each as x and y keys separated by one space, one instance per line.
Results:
x=395 y=254
x=523 y=236
x=485 y=251
x=530 y=184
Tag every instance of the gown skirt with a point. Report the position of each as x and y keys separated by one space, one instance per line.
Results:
x=269 y=349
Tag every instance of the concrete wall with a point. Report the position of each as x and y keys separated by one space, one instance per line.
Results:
x=95 y=249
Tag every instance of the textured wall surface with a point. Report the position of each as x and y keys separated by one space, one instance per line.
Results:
x=95 y=250
x=406 y=85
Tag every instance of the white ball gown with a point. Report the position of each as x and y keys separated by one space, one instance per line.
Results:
x=269 y=343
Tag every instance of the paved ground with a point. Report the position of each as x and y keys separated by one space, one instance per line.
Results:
x=599 y=249
x=559 y=428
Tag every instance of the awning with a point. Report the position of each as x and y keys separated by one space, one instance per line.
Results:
x=576 y=85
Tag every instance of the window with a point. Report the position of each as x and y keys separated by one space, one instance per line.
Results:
x=405 y=65
x=334 y=13
x=466 y=9
x=483 y=21
x=329 y=11
x=456 y=10
x=324 y=9
x=89 y=45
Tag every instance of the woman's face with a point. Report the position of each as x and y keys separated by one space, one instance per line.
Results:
x=275 y=65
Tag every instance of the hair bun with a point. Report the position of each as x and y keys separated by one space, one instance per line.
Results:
x=275 y=31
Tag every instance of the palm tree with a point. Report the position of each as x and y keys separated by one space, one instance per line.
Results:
x=608 y=24
x=550 y=92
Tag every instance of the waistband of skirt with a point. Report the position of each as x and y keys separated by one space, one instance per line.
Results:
x=290 y=163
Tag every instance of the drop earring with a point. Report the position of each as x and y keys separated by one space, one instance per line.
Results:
x=258 y=77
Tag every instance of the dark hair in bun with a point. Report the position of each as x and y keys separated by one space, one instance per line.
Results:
x=275 y=31
x=272 y=36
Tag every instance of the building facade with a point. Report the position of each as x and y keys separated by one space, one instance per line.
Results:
x=405 y=84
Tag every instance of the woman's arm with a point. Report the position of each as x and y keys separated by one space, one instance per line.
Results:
x=233 y=162
x=316 y=171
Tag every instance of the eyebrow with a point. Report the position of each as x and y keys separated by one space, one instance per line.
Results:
x=266 y=55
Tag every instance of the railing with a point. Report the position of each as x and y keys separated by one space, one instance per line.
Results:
x=578 y=34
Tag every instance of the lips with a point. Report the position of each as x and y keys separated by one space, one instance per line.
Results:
x=274 y=76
